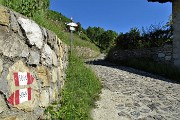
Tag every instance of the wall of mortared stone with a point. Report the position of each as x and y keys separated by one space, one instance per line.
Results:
x=27 y=48
x=176 y=32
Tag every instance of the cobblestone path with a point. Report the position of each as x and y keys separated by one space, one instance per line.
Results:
x=129 y=94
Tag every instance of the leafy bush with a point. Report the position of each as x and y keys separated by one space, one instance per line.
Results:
x=56 y=16
x=129 y=40
x=103 y=39
x=154 y=36
x=27 y=7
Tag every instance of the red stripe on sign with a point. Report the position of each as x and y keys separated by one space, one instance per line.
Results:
x=17 y=97
x=30 y=79
x=16 y=79
x=29 y=93
x=11 y=99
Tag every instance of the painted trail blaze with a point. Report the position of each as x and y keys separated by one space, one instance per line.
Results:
x=23 y=78
x=20 y=96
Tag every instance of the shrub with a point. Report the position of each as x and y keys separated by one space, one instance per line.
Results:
x=27 y=7
x=154 y=36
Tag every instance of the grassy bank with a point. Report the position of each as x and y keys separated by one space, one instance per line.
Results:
x=148 y=65
x=58 y=28
x=81 y=89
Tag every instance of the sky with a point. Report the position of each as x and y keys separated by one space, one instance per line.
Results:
x=117 y=15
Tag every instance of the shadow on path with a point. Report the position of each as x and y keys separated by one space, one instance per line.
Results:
x=103 y=62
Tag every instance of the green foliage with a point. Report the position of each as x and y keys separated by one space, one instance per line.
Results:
x=148 y=65
x=106 y=40
x=27 y=7
x=129 y=40
x=154 y=36
x=2 y=2
x=56 y=16
x=93 y=33
x=81 y=89
x=103 y=39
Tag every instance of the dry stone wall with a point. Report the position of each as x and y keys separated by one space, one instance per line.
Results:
x=163 y=54
x=32 y=67
x=85 y=52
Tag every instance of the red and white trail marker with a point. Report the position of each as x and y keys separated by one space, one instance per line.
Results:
x=20 y=96
x=23 y=78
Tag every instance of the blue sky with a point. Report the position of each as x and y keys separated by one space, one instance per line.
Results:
x=117 y=15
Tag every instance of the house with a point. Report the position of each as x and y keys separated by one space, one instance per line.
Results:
x=176 y=29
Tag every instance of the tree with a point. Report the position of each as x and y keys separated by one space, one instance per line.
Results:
x=107 y=39
x=94 y=34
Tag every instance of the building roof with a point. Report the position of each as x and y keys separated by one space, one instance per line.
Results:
x=160 y=1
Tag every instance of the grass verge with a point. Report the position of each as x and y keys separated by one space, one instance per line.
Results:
x=148 y=65
x=79 y=93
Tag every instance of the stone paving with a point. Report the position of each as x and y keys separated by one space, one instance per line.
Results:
x=130 y=94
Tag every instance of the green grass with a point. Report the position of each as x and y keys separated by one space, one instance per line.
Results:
x=58 y=28
x=148 y=65
x=1 y=2
x=80 y=91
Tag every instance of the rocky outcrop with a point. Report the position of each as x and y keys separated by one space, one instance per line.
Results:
x=32 y=67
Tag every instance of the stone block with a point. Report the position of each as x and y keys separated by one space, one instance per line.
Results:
x=61 y=52
x=176 y=56
x=33 y=32
x=53 y=93
x=44 y=32
x=56 y=49
x=43 y=75
x=1 y=67
x=160 y=55
x=13 y=46
x=4 y=20
x=167 y=46
x=54 y=59
x=19 y=66
x=14 y=24
x=51 y=38
x=3 y=106
x=168 y=58
x=46 y=55
x=54 y=75
x=34 y=58
x=60 y=78
x=44 y=98
x=11 y=118
x=61 y=64
x=176 y=50
x=177 y=63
